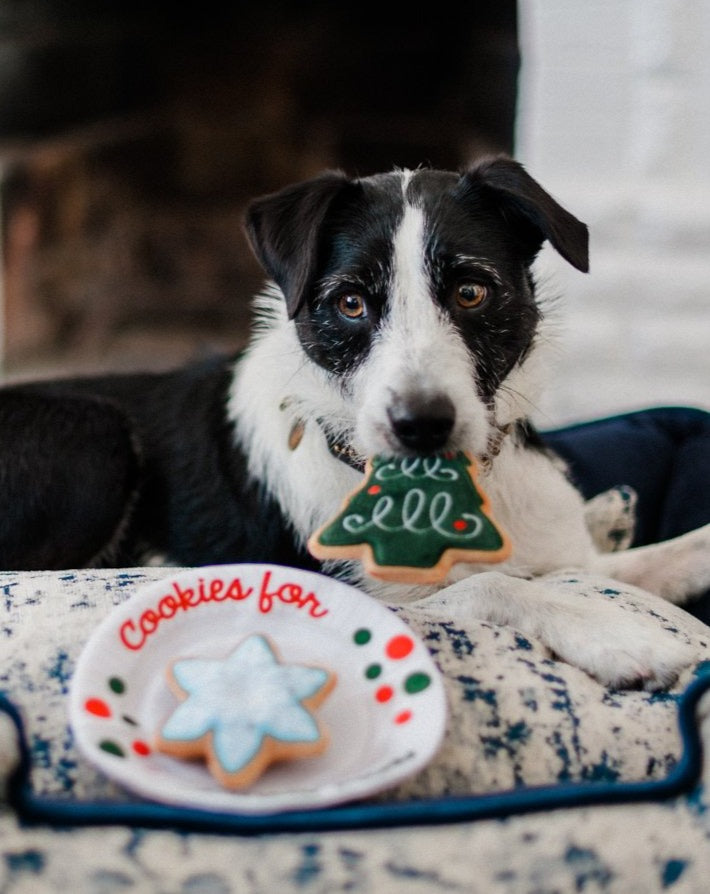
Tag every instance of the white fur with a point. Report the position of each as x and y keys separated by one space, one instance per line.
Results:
x=418 y=347
x=276 y=386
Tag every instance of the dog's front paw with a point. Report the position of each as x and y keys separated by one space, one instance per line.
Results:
x=624 y=652
x=621 y=644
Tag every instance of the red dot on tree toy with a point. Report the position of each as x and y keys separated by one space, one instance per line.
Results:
x=375 y=489
x=460 y=524
x=399 y=647
x=98 y=707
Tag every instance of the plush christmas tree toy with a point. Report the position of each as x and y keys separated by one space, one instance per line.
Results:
x=412 y=519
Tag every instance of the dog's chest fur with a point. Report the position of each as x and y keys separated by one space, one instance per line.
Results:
x=275 y=393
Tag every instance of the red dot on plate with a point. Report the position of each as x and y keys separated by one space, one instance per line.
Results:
x=384 y=693
x=374 y=489
x=98 y=707
x=399 y=647
x=141 y=748
x=403 y=717
x=460 y=524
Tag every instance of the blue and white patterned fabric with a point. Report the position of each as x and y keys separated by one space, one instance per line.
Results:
x=528 y=739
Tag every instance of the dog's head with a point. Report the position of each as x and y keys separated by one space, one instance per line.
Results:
x=413 y=291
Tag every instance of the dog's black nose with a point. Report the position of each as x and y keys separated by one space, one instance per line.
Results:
x=422 y=425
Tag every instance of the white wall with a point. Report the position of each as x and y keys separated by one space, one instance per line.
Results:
x=614 y=120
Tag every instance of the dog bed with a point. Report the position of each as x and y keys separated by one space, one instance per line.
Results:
x=545 y=780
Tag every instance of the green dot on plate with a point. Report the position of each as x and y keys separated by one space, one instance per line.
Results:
x=372 y=671
x=362 y=636
x=416 y=682
x=117 y=685
x=111 y=747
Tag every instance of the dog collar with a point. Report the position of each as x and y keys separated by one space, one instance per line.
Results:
x=495 y=444
x=344 y=452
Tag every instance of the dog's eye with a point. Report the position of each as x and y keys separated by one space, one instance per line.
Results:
x=470 y=294
x=352 y=305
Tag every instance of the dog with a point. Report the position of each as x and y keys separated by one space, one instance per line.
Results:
x=399 y=317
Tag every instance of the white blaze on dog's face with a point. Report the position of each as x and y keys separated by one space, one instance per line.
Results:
x=415 y=391
x=412 y=291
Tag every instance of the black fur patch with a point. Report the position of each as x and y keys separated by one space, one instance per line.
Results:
x=79 y=479
x=354 y=257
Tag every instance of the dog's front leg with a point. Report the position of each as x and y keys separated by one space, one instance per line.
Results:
x=677 y=569
x=618 y=647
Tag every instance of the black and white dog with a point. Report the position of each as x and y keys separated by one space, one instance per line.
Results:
x=401 y=318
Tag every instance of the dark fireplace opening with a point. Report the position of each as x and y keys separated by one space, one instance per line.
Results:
x=132 y=135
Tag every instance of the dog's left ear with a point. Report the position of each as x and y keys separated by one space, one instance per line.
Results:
x=283 y=229
x=538 y=215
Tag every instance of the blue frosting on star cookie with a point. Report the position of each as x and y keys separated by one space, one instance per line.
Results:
x=242 y=699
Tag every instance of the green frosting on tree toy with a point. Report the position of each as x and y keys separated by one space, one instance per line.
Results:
x=412 y=519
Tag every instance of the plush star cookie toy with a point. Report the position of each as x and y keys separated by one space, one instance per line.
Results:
x=412 y=519
x=245 y=711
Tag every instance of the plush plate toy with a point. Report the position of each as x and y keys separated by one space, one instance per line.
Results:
x=412 y=519
x=234 y=667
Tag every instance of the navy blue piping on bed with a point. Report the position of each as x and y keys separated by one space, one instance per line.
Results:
x=683 y=779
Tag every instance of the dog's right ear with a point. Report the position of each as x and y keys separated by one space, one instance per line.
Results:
x=283 y=229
